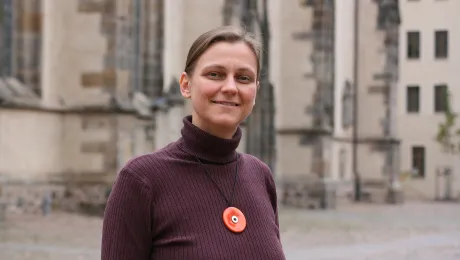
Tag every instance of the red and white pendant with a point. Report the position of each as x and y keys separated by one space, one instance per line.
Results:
x=234 y=219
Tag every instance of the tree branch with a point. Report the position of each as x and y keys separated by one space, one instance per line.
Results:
x=446 y=132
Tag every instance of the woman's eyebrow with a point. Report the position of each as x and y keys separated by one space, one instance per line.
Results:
x=220 y=67
x=214 y=66
x=246 y=69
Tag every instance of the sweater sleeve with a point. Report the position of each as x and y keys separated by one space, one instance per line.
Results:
x=126 y=232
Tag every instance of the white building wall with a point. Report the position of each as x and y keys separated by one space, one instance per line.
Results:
x=419 y=129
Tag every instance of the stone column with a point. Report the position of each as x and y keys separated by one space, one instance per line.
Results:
x=161 y=127
x=173 y=59
x=54 y=33
x=343 y=76
x=74 y=46
x=169 y=116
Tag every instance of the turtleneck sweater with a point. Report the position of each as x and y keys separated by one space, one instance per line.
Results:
x=164 y=206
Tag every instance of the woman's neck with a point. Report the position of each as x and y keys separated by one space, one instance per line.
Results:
x=208 y=146
x=221 y=132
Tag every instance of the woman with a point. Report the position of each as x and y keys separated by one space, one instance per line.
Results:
x=198 y=198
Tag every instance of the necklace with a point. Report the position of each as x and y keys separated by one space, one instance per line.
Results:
x=233 y=218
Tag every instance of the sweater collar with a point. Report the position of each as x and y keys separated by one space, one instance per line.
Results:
x=209 y=147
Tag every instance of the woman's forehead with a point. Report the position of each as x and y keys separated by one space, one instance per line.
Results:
x=223 y=54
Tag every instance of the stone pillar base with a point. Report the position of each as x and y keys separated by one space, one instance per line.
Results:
x=394 y=196
x=308 y=192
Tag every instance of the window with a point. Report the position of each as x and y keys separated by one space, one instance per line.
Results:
x=6 y=37
x=440 y=98
x=347 y=105
x=413 y=99
x=441 y=44
x=388 y=14
x=418 y=161
x=413 y=45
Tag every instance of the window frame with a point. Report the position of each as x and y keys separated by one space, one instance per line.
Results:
x=413 y=49
x=439 y=98
x=418 y=160
x=441 y=45
x=410 y=106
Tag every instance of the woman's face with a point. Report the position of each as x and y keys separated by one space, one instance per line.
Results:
x=222 y=87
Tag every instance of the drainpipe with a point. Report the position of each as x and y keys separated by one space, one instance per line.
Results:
x=356 y=175
x=137 y=45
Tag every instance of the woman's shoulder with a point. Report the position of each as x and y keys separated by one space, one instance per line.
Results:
x=263 y=170
x=255 y=162
x=152 y=163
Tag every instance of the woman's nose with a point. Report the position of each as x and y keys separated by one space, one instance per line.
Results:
x=230 y=86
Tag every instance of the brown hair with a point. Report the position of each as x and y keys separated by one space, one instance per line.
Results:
x=229 y=34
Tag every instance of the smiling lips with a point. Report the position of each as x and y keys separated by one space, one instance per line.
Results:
x=226 y=103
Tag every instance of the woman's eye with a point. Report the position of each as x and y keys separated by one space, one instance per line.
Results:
x=214 y=75
x=245 y=79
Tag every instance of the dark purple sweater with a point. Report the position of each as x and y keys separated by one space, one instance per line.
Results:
x=163 y=206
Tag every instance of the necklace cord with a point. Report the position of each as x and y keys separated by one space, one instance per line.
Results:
x=217 y=186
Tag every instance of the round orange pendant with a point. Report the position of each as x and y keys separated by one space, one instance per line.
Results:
x=234 y=219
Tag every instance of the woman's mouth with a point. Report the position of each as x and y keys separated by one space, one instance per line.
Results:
x=226 y=103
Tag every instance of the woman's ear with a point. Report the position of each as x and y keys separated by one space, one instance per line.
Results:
x=258 y=85
x=185 y=89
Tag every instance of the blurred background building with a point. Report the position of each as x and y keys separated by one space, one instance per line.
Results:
x=87 y=84
x=428 y=69
x=66 y=91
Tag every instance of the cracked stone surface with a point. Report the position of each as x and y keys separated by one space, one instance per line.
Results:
x=422 y=231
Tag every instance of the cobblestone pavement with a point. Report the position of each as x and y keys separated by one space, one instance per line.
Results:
x=352 y=232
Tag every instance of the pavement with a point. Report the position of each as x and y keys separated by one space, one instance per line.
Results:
x=425 y=231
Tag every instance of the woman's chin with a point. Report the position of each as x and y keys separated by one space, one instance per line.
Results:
x=227 y=121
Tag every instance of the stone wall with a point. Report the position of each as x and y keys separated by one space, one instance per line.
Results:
x=29 y=198
x=72 y=157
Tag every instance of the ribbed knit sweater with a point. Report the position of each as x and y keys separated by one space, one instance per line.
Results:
x=163 y=206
